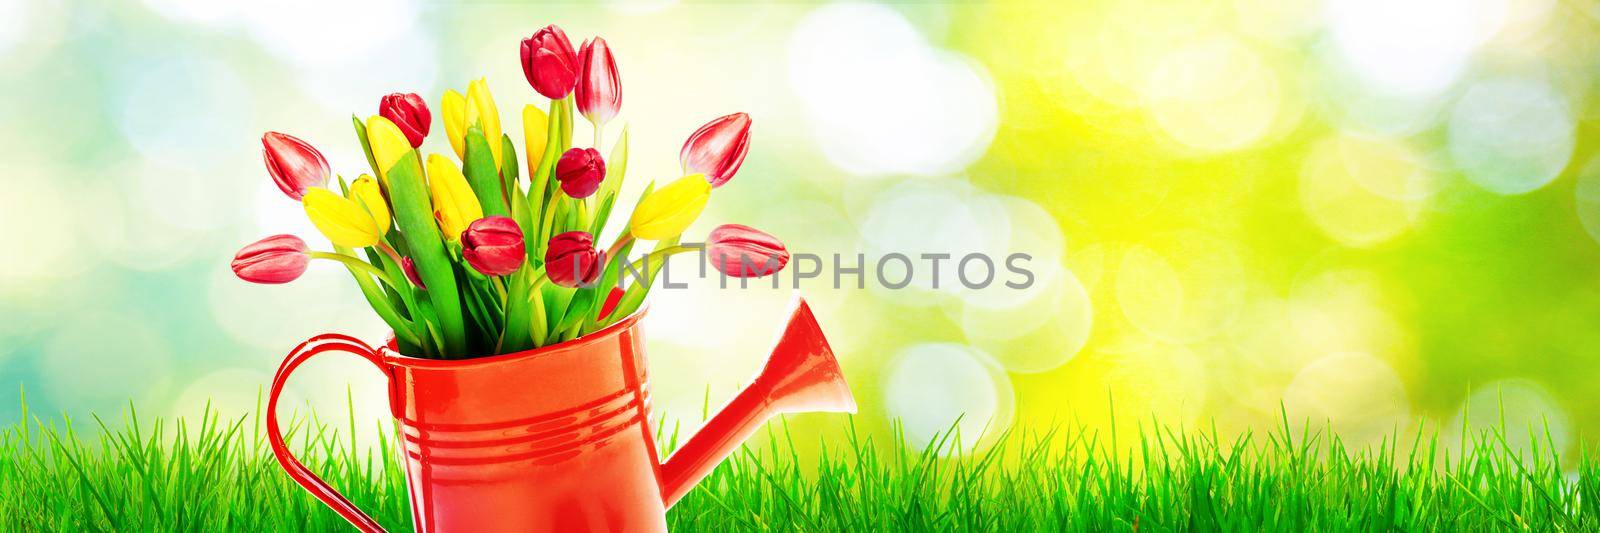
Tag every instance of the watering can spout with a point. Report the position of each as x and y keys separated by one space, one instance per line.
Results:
x=800 y=376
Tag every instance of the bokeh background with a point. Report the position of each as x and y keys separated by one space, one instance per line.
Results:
x=1379 y=214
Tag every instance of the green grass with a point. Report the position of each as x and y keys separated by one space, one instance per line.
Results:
x=219 y=476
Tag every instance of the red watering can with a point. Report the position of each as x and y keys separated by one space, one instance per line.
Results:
x=558 y=438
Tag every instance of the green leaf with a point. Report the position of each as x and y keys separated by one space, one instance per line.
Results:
x=616 y=171
x=514 y=336
x=634 y=296
x=403 y=330
x=538 y=322
x=509 y=185
x=483 y=176
x=608 y=281
x=522 y=213
x=508 y=159
x=413 y=212
x=556 y=299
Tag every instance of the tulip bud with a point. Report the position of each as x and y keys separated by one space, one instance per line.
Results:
x=273 y=260
x=340 y=219
x=745 y=252
x=493 y=246
x=460 y=113
x=454 y=205
x=717 y=148
x=580 y=171
x=668 y=211
x=481 y=110
x=364 y=190
x=571 y=260
x=294 y=165
x=410 y=268
x=549 y=62
x=535 y=134
x=599 y=91
x=410 y=113
x=453 y=112
x=388 y=144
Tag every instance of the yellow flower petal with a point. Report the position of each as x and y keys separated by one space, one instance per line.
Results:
x=388 y=143
x=340 y=219
x=671 y=209
x=364 y=190
x=484 y=110
x=454 y=205
x=453 y=111
x=535 y=126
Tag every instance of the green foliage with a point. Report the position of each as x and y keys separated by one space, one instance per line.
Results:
x=219 y=475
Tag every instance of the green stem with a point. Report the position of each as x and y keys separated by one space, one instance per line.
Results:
x=380 y=305
x=358 y=265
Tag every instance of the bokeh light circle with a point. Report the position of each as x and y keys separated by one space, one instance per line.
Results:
x=922 y=216
x=405 y=65
x=1346 y=310
x=936 y=387
x=1587 y=194
x=1360 y=396
x=1213 y=95
x=1412 y=47
x=1523 y=409
x=1041 y=335
x=1362 y=192
x=182 y=109
x=15 y=17
x=317 y=33
x=51 y=249
x=1262 y=354
x=1182 y=288
x=228 y=394
x=1011 y=225
x=907 y=107
x=1511 y=136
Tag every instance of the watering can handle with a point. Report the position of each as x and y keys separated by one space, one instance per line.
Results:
x=297 y=471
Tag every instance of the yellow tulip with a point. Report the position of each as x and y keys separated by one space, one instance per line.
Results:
x=364 y=190
x=454 y=205
x=453 y=111
x=388 y=143
x=535 y=126
x=483 y=110
x=667 y=211
x=340 y=219
x=462 y=112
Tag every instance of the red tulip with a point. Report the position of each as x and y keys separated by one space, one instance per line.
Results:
x=275 y=259
x=549 y=62
x=599 y=92
x=410 y=113
x=493 y=245
x=294 y=165
x=717 y=148
x=410 y=268
x=571 y=260
x=745 y=252
x=580 y=172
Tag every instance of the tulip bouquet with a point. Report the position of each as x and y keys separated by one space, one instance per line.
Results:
x=471 y=260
